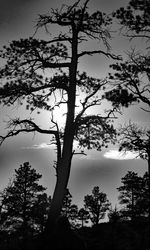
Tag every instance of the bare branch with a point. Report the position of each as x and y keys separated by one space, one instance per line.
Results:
x=146 y=110
x=135 y=138
x=14 y=133
x=60 y=38
x=47 y=64
x=85 y=106
x=25 y=126
x=58 y=142
x=70 y=8
x=79 y=153
x=100 y=52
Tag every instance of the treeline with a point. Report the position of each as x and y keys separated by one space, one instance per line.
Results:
x=25 y=205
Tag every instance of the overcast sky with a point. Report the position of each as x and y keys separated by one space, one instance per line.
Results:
x=105 y=169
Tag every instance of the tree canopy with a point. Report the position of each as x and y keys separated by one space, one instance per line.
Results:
x=19 y=201
x=96 y=204
x=133 y=196
x=131 y=77
x=135 y=18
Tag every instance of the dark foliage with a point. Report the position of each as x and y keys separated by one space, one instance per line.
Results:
x=131 y=77
x=136 y=17
x=96 y=204
x=24 y=205
x=69 y=210
x=134 y=196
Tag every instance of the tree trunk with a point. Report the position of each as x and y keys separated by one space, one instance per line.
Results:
x=132 y=203
x=60 y=188
x=97 y=216
x=82 y=221
x=64 y=163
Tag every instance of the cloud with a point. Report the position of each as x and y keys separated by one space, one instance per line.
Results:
x=116 y=155
x=42 y=145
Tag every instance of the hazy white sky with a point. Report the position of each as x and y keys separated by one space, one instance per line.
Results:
x=105 y=169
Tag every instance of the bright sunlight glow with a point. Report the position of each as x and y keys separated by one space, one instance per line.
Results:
x=116 y=155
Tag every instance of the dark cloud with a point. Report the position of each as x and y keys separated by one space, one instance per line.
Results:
x=10 y=10
x=18 y=18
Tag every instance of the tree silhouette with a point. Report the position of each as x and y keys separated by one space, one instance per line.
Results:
x=69 y=210
x=114 y=215
x=26 y=76
x=96 y=204
x=135 y=18
x=133 y=195
x=136 y=139
x=131 y=82
x=143 y=202
x=132 y=77
x=19 y=199
x=40 y=211
x=83 y=216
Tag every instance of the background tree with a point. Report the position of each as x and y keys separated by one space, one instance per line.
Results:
x=132 y=194
x=83 y=216
x=19 y=199
x=25 y=77
x=131 y=82
x=40 y=211
x=142 y=203
x=137 y=139
x=69 y=210
x=132 y=77
x=96 y=204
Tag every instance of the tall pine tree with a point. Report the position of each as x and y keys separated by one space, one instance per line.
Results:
x=134 y=195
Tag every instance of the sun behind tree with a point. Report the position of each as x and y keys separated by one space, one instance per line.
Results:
x=23 y=80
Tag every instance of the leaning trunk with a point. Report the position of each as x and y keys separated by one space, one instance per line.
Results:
x=63 y=173
x=64 y=162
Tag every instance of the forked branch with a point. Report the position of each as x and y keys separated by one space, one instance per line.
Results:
x=18 y=126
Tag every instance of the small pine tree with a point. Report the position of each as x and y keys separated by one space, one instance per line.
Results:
x=114 y=215
x=19 y=198
x=97 y=204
